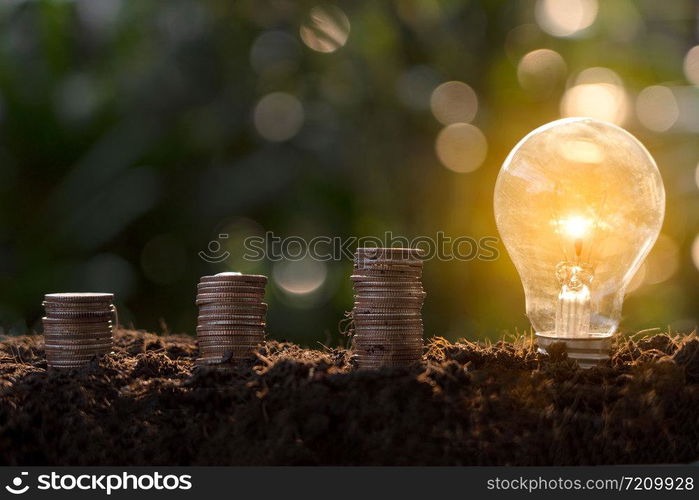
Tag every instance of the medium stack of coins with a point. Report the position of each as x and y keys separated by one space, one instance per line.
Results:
x=231 y=317
x=387 y=307
x=77 y=327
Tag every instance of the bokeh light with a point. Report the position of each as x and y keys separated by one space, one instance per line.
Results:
x=565 y=18
x=637 y=280
x=695 y=251
x=461 y=147
x=691 y=65
x=595 y=100
x=237 y=230
x=454 y=102
x=597 y=93
x=541 y=70
x=656 y=108
x=687 y=97
x=326 y=29
x=663 y=261
x=598 y=74
x=299 y=277
x=278 y=116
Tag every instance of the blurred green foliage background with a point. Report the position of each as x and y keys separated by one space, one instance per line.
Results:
x=133 y=133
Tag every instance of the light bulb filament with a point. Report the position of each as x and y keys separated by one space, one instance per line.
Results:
x=573 y=311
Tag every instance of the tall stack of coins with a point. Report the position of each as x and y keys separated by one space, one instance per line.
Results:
x=387 y=307
x=231 y=317
x=77 y=327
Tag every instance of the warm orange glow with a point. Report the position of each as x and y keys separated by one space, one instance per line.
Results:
x=657 y=108
x=637 y=280
x=541 y=70
x=582 y=151
x=575 y=226
x=663 y=261
x=579 y=203
x=566 y=18
x=597 y=100
x=461 y=147
x=597 y=93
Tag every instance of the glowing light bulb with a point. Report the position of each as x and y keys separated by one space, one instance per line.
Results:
x=579 y=203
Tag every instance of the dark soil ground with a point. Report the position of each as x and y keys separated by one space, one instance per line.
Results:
x=147 y=404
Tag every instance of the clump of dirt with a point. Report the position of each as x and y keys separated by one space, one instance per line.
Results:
x=468 y=404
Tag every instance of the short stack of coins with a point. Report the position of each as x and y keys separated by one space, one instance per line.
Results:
x=231 y=321
x=77 y=327
x=387 y=313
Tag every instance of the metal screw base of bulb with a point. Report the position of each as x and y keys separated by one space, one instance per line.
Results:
x=587 y=351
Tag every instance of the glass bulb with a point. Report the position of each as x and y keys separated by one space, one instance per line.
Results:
x=579 y=203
